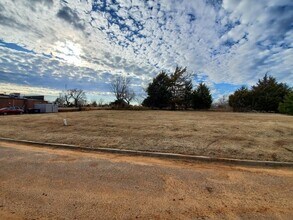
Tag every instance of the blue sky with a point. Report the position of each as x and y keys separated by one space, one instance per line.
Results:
x=49 y=45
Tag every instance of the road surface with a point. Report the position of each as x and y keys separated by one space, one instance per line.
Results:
x=43 y=183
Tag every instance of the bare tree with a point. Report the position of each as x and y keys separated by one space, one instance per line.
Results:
x=78 y=96
x=101 y=102
x=63 y=99
x=120 y=86
x=139 y=98
x=94 y=103
x=66 y=97
x=222 y=103
x=60 y=101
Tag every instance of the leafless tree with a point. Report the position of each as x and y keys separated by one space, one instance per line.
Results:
x=63 y=99
x=60 y=101
x=120 y=86
x=78 y=96
x=222 y=103
x=94 y=103
x=66 y=97
x=101 y=102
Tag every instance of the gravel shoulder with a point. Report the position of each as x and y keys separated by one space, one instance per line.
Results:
x=40 y=183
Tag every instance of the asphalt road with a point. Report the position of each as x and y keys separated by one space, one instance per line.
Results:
x=42 y=183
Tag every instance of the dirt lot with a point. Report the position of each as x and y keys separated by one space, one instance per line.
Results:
x=40 y=183
x=236 y=135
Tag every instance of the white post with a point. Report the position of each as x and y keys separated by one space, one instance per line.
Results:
x=64 y=122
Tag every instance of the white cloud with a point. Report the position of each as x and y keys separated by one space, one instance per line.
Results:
x=27 y=90
x=234 y=42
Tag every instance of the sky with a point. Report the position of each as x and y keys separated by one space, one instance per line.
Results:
x=47 y=46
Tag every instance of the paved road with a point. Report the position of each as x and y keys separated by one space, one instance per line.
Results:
x=42 y=183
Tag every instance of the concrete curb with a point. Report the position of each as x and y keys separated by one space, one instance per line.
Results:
x=155 y=154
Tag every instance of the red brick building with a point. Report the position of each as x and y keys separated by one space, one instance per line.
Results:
x=25 y=102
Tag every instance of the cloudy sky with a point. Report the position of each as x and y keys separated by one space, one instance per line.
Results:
x=49 y=45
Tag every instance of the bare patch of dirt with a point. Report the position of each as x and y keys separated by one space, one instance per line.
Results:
x=41 y=183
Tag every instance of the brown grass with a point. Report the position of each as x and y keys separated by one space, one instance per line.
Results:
x=217 y=134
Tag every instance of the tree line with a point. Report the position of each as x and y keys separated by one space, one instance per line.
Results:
x=71 y=98
x=267 y=95
x=175 y=91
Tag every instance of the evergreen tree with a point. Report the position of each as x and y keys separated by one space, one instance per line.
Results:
x=201 y=97
x=174 y=91
x=268 y=93
x=159 y=95
x=187 y=100
x=241 y=100
x=286 y=107
x=180 y=88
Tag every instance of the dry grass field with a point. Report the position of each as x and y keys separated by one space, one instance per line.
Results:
x=216 y=134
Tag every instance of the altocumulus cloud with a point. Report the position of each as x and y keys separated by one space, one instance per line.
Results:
x=47 y=44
